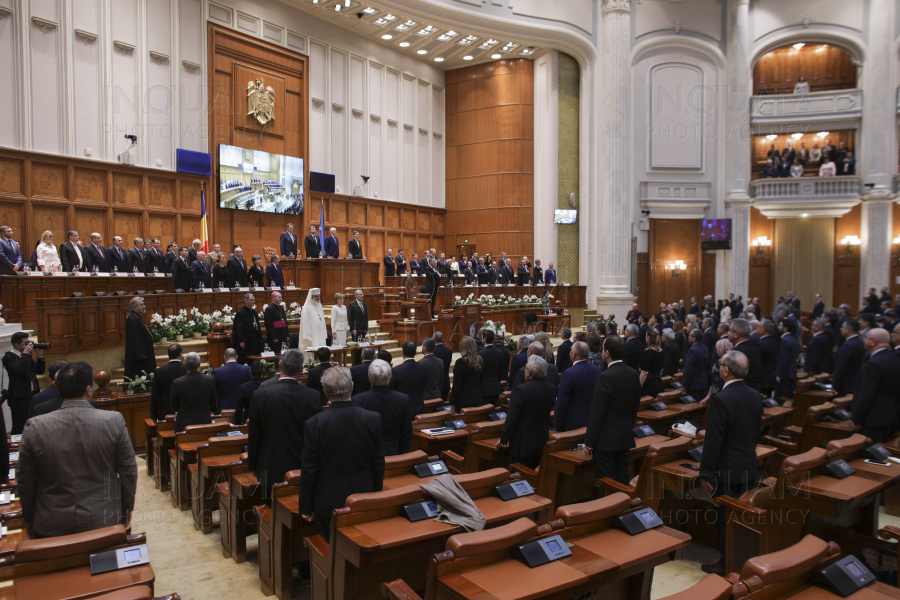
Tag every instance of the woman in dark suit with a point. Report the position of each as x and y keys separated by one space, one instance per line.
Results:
x=652 y=362
x=467 y=376
x=274 y=276
x=221 y=276
x=256 y=276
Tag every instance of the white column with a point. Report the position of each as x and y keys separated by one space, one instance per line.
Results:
x=615 y=202
x=876 y=147
x=546 y=155
x=737 y=146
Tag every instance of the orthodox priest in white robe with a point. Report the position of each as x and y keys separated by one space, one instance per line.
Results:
x=313 y=331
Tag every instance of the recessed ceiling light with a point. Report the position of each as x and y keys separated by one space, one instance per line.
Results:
x=421 y=51
x=406 y=25
x=798 y=45
x=495 y=56
x=427 y=30
x=438 y=59
x=382 y=21
x=447 y=36
x=369 y=10
x=387 y=36
x=804 y=215
x=468 y=40
x=404 y=44
x=468 y=57
x=337 y=8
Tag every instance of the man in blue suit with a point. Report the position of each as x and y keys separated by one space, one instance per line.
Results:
x=767 y=344
x=274 y=275
x=409 y=377
x=11 y=259
x=550 y=275
x=696 y=366
x=817 y=350
x=786 y=369
x=492 y=370
x=850 y=358
x=576 y=390
x=875 y=400
x=563 y=361
x=117 y=257
x=552 y=377
x=229 y=378
x=819 y=307
x=288 y=242
x=95 y=255
x=200 y=271
x=332 y=247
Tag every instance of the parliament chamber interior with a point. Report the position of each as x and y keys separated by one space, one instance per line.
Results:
x=450 y=299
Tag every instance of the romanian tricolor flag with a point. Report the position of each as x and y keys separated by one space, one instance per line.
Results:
x=204 y=226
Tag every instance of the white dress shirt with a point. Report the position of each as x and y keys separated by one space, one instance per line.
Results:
x=47 y=257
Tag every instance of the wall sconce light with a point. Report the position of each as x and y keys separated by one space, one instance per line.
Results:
x=678 y=268
x=761 y=243
x=771 y=137
x=849 y=241
x=896 y=240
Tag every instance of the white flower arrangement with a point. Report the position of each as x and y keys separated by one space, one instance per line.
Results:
x=294 y=311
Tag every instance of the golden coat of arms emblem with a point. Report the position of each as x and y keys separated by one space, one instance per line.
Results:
x=260 y=101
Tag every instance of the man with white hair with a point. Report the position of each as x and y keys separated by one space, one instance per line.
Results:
x=634 y=349
x=875 y=401
x=193 y=250
x=139 y=354
x=200 y=272
x=332 y=247
x=393 y=406
x=343 y=453
x=313 y=331
x=525 y=430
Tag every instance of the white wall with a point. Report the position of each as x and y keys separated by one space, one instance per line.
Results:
x=76 y=84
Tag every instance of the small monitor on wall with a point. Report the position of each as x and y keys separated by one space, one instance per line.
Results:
x=715 y=234
x=565 y=216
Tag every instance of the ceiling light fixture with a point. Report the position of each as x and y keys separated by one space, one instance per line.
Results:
x=369 y=10
x=447 y=36
x=468 y=40
x=406 y=25
x=347 y=3
x=771 y=137
x=468 y=57
x=421 y=51
x=822 y=134
x=404 y=44
x=495 y=56
x=438 y=59
x=387 y=36
x=382 y=21
x=796 y=136
x=427 y=30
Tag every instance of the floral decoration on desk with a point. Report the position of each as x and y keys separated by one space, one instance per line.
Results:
x=501 y=301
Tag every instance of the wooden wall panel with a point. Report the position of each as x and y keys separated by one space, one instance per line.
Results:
x=672 y=240
x=826 y=67
x=847 y=265
x=90 y=185
x=12 y=176
x=762 y=275
x=46 y=217
x=707 y=276
x=895 y=252
x=48 y=180
x=126 y=189
x=490 y=157
x=88 y=221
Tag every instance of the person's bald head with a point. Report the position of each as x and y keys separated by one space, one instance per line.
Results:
x=877 y=338
x=580 y=351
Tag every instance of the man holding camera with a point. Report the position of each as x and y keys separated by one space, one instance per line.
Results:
x=23 y=370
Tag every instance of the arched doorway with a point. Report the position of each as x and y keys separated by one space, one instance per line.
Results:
x=826 y=67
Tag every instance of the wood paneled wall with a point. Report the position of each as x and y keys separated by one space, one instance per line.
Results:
x=490 y=157
x=825 y=68
x=847 y=265
x=761 y=282
x=895 y=251
x=41 y=191
x=671 y=240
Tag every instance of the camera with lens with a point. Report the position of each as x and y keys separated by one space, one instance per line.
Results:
x=39 y=345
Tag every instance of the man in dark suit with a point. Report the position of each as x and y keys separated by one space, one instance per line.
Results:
x=160 y=405
x=343 y=453
x=229 y=378
x=154 y=259
x=390 y=266
x=193 y=397
x=360 y=373
x=709 y=335
x=170 y=257
x=550 y=275
x=507 y=275
x=278 y=414
x=576 y=391
x=358 y=316
x=739 y=336
x=332 y=245
x=446 y=355
x=139 y=354
x=193 y=250
x=355 y=247
x=274 y=274
x=434 y=370
x=11 y=259
x=246 y=334
x=396 y=427
x=237 y=268
x=767 y=344
x=50 y=394
x=492 y=371
x=22 y=385
x=71 y=255
x=729 y=465
x=552 y=376
x=789 y=349
x=432 y=283
x=850 y=358
x=118 y=258
x=563 y=361
x=696 y=365
x=537 y=273
x=819 y=307
x=875 y=400
x=314 y=379
x=200 y=273
x=181 y=271
x=95 y=255
x=400 y=262
x=817 y=350
x=493 y=273
x=312 y=245
x=415 y=267
x=617 y=398
x=634 y=350
x=671 y=353
x=525 y=430
x=518 y=360
x=257 y=372
x=523 y=273
x=135 y=257
x=409 y=377
x=288 y=242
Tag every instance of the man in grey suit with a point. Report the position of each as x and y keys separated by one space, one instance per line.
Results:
x=434 y=369
x=76 y=470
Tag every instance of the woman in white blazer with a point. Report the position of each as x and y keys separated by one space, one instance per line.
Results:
x=47 y=256
x=339 y=323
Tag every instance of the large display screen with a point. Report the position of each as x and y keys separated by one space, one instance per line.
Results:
x=715 y=234
x=260 y=181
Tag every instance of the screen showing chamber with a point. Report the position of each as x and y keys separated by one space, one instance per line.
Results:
x=260 y=181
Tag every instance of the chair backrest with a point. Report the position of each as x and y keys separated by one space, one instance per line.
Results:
x=814 y=414
x=797 y=467
x=780 y=572
x=474 y=413
x=268 y=252
x=431 y=420
x=400 y=464
x=847 y=447
x=670 y=396
x=68 y=545
x=596 y=515
x=483 y=483
x=657 y=454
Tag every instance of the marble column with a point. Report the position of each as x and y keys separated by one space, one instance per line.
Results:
x=876 y=151
x=737 y=146
x=615 y=215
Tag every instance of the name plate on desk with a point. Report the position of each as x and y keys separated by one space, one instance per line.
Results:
x=15 y=439
x=59 y=274
x=12 y=474
x=117 y=274
x=421 y=511
x=566 y=284
x=510 y=491
x=222 y=289
x=845 y=577
x=82 y=274
x=258 y=289
x=137 y=274
x=432 y=468
x=290 y=287
x=123 y=558
x=658 y=406
x=35 y=274
x=206 y=290
x=643 y=431
x=6 y=497
x=498 y=416
x=157 y=274
x=275 y=288
x=456 y=424
x=102 y=274
x=541 y=552
x=243 y=289
x=838 y=469
x=638 y=521
x=510 y=285
x=13 y=457
x=268 y=355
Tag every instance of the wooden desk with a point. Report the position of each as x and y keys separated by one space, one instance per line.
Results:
x=435 y=444
x=210 y=471
x=661 y=421
x=288 y=549
x=244 y=492
x=135 y=409
x=331 y=275
x=165 y=441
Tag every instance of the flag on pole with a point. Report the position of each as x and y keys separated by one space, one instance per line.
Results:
x=322 y=226
x=204 y=236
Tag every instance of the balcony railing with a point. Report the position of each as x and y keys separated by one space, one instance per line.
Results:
x=806 y=196
x=836 y=105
